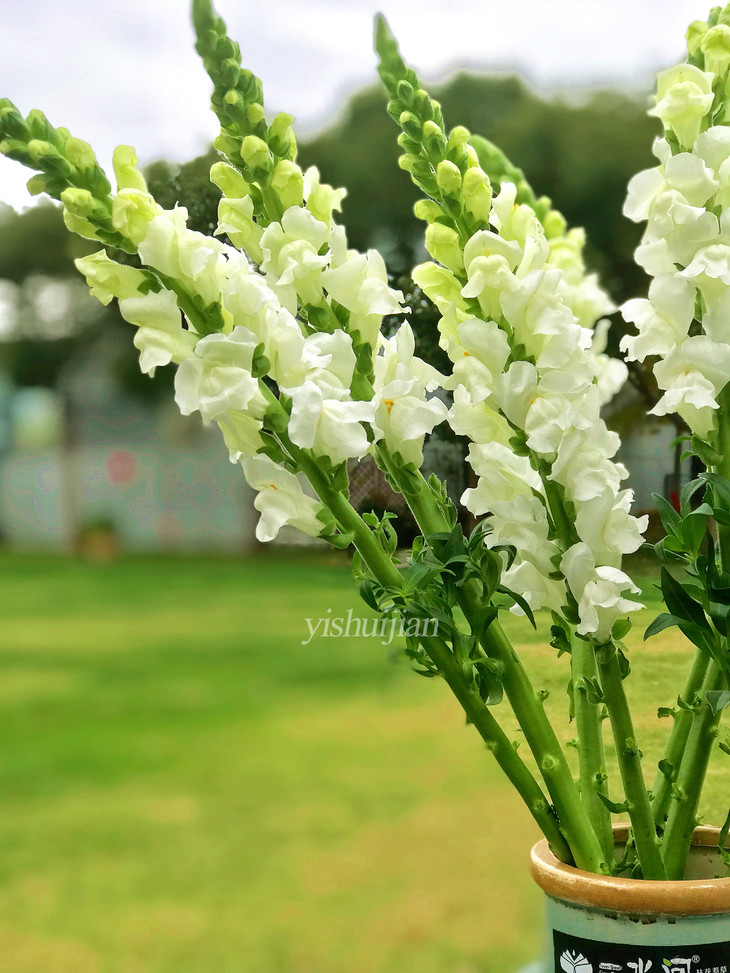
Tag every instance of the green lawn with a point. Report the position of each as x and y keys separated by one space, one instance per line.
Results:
x=188 y=789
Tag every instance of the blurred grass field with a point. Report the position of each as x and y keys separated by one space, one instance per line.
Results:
x=186 y=788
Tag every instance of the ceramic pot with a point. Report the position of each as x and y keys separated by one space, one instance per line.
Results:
x=597 y=924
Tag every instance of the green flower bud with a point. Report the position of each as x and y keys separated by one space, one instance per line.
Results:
x=459 y=136
x=434 y=139
x=255 y=114
x=412 y=146
x=715 y=45
x=477 y=194
x=235 y=218
x=80 y=202
x=407 y=161
x=12 y=122
x=281 y=136
x=40 y=128
x=125 y=169
x=37 y=184
x=227 y=145
x=424 y=106
x=229 y=180
x=79 y=153
x=410 y=124
x=695 y=32
x=555 y=224
x=255 y=153
x=233 y=98
x=39 y=149
x=442 y=242
x=132 y=210
x=288 y=183
x=439 y=285
x=405 y=93
x=448 y=177
x=427 y=210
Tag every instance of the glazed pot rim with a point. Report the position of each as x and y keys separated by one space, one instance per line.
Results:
x=695 y=897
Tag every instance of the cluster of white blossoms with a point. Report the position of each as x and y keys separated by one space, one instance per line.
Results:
x=685 y=202
x=190 y=280
x=528 y=386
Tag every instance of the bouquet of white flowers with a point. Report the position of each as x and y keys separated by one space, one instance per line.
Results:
x=275 y=326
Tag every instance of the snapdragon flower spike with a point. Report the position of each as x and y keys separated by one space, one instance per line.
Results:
x=303 y=256
x=685 y=202
x=529 y=375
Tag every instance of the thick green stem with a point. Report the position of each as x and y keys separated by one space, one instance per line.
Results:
x=525 y=702
x=677 y=744
x=629 y=760
x=478 y=714
x=682 y=819
x=591 y=751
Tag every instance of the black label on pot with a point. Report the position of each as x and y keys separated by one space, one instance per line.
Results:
x=574 y=955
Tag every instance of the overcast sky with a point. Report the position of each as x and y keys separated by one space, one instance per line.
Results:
x=126 y=72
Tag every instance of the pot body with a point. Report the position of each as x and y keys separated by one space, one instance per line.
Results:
x=616 y=925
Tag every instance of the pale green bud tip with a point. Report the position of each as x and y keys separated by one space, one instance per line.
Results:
x=37 y=149
x=125 y=169
x=477 y=193
x=694 y=35
x=233 y=97
x=79 y=153
x=288 y=183
x=255 y=152
x=448 y=177
x=555 y=224
x=427 y=210
x=431 y=130
x=442 y=242
x=230 y=182
x=79 y=202
x=715 y=45
x=459 y=135
x=255 y=114
x=37 y=184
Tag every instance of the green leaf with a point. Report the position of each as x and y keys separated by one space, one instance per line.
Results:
x=679 y=602
x=671 y=520
x=519 y=600
x=688 y=491
x=621 y=628
x=612 y=806
x=718 y=700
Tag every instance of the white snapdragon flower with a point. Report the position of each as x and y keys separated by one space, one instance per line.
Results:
x=320 y=199
x=327 y=421
x=292 y=261
x=663 y=320
x=160 y=337
x=107 y=279
x=360 y=285
x=248 y=300
x=684 y=97
x=611 y=373
x=583 y=463
x=236 y=220
x=280 y=500
x=503 y=476
x=598 y=590
x=488 y=276
x=471 y=415
x=218 y=379
x=403 y=413
x=606 y=526
x=241 y=434
x=691 y=376
x=535 y=586
x=196 y=260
